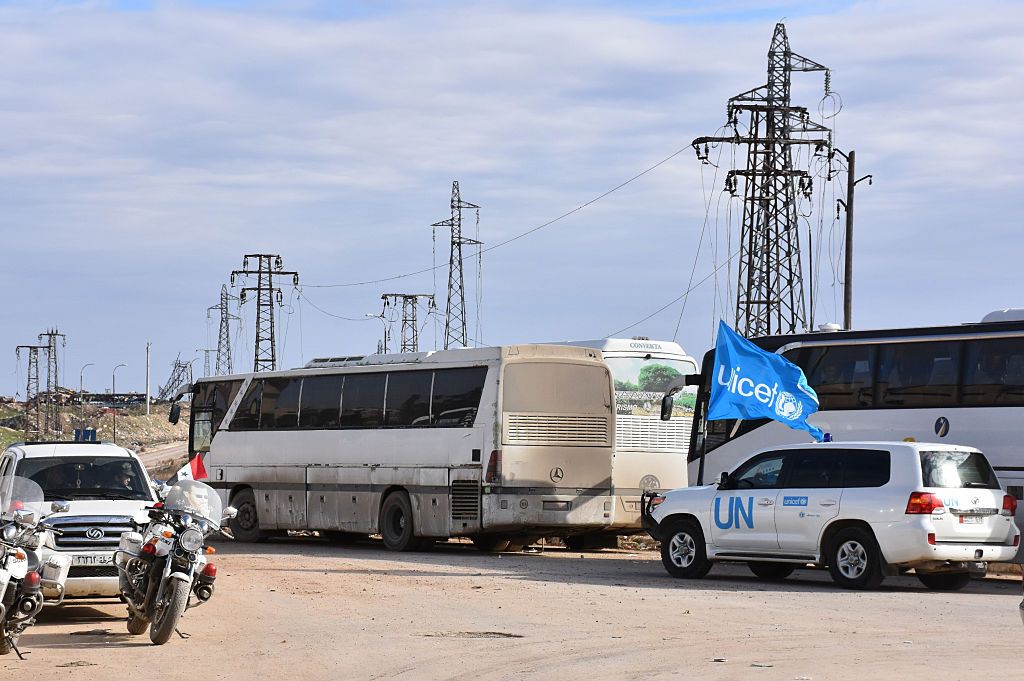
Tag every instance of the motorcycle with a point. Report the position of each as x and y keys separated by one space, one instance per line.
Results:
x=23 y=574
x=163 y=568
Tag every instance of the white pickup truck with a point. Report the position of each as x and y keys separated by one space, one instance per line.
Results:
x=104 y=485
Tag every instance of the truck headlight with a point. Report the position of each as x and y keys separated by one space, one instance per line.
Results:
x=191 y=540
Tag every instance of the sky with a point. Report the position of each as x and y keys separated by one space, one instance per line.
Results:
x=147 y=146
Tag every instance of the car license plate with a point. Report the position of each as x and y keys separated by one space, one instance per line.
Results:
x=971 y=519
x=101 y=559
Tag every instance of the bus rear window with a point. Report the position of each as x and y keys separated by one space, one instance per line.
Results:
x=557 y=388
x=951 y=469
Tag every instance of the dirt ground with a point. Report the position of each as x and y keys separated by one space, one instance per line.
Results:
x=307 y=609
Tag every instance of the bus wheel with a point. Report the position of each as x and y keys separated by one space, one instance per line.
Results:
x=591 y=542
x=945 y=581
x=245 y=526
x=683 y=551
x=343 y=538
x=489 y=543
x=396 y=524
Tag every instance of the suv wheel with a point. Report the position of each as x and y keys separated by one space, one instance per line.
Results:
x=683 y=551
x=854 y=559
x=944 y=581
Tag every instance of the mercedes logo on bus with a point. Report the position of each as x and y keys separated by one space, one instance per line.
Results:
x=942 y=426
x=556 y=474
x=94 y=533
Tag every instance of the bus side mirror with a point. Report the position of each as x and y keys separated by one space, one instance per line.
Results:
x=174 y=414
x=666 y=407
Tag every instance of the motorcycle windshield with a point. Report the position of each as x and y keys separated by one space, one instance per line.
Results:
x=20 y=494
x=195 y=498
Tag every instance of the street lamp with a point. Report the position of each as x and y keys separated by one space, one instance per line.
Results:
x=385 y=323
x=113 y=396
x=81 y=397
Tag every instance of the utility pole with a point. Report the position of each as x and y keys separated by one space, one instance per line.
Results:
x=268 y=266
x=455 y=332
x=81 y=395
x=148 y=400
x=851 y=183
x=206 y=359
x=32 y=406
x=52 y=413
x=113 y=396
x=224 y=364
x=770 y=281
x=410 y=329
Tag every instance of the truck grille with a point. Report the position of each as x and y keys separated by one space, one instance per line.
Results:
x=90 y=533
x=465 y=500
x=560 y=429
x=651 y=434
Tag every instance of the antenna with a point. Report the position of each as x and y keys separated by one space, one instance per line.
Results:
x=770 y=289
x=455 y=333
x=410 y=328
x=269 y=265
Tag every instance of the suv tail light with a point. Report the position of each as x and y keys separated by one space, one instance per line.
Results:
x=923 y=503
x=1009 y=505
x=493 y=474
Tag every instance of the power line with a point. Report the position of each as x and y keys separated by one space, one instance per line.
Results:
x=517 y=236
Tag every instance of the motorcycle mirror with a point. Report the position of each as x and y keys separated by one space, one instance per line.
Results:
x=174 y=414
x=229 y=512
x=24 y=518
x=60 y=507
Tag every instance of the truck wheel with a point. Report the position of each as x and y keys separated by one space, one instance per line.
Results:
x=396 y=523
x=167 y=617
x=854 y=559
x=774 y=572
x=245 y=526
x=136 y=625
x=683 y=551
x=944 y=581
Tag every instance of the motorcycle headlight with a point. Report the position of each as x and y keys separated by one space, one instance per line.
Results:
x=191 y=540
x=10 y=532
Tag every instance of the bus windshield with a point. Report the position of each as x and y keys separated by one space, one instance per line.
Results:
x=641 y=381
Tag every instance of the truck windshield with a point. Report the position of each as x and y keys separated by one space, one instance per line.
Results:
x=79 y=477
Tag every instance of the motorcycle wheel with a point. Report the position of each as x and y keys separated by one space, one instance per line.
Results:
x=136 y=625
x=167 y=617
x=5 y=643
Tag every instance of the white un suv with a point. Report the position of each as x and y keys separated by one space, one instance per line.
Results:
x=105 y=486
x=863 y=509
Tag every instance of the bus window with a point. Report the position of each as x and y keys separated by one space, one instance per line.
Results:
x=321 y=402
x=280 y=408
x=840 y=374
x=993 y=372
x=556 y=388
x=408 y=398
x=247 y=416
x=918 y=374
x=362 y=401
x=457 y=396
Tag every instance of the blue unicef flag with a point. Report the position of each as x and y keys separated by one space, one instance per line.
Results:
x=751 y=383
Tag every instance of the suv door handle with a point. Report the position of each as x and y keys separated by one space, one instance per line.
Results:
x=765 y=501
x=829 y=502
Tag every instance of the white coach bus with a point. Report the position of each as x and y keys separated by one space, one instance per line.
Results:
x=501 y=445
x=650 y=454
x=961 y=384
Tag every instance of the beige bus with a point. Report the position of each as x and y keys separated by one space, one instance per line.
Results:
x=502 y=445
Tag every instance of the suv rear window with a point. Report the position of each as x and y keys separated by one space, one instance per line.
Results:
x=951 y=469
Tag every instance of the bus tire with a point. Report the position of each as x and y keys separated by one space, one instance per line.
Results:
x=343 y=538
x=396 y=523
x=854 y=559
x=683 y=550
x=245 y=526
x=944 y=581
x=773 y=572
x=489 y=543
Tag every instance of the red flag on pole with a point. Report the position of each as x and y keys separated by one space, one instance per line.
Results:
x=198 y=469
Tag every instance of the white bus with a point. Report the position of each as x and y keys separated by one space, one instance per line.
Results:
x=502 y=445
x=650 y=454
x=960 y=384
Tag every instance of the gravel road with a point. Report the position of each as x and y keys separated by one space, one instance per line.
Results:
x=307 y=609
